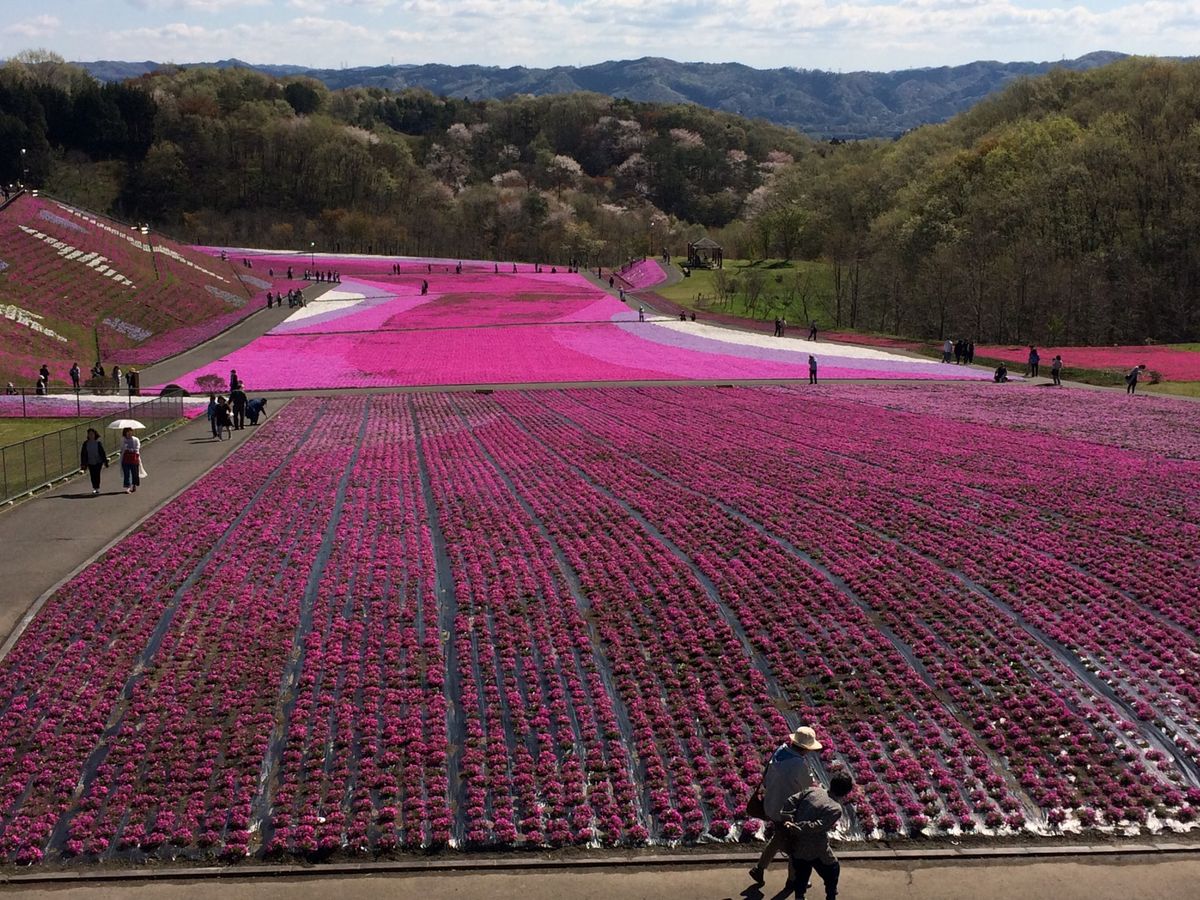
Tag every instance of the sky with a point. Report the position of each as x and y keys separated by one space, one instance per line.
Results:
x=835 y=35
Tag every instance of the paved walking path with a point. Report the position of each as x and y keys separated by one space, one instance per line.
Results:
x=48 y=538
x=1121 y=878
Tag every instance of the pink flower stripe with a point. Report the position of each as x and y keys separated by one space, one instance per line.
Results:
x=64 y=407
x=582 y=618
x=483 y=328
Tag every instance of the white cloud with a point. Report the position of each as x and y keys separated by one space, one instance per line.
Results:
x=36 y=28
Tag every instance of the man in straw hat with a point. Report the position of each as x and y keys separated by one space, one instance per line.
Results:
x=789 y=772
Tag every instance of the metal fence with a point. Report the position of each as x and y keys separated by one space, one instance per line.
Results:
x=35 y=463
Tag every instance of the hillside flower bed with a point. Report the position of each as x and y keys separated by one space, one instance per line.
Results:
x=539 y=619
x=480 y=327
x=79 y=277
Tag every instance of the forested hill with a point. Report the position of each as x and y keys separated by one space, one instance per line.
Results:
x=817 y=103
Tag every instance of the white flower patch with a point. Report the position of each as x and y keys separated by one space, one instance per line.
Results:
x=128 y=329
x=30 y=321
x=231 y=299
x=96 y=263
x=143 y=246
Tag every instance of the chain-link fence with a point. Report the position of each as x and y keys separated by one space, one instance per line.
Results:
x=34 y=463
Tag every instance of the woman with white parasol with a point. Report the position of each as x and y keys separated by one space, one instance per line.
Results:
x=131 y=453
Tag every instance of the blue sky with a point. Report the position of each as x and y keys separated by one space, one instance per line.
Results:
x=838 y=35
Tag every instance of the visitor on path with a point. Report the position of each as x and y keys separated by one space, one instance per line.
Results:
x=234 y=381
x=97 y=370
x=255 y=408
x=693 y=315
x=783 y=327
x=611 y=281
x=812 y=369
x=1001 y=375
x=224 y=418
x=812 y=330
x=10 y=389
x=44 y=373
x=424 y=287
x=212 y=416
x=75 y=372
x=1034 y=359
x=1131 y=379
x=777 y=332
x=810 y=815
x=641 y=314
x=947 y=349
x=970 y=352
x=682 y=316
x=789 y=771
x=960 y=350
x=622 y=294
x=1056 y=370
x=237 y=399
x=131 y=461
x=116 y=379
x=93 y=458
x=41 y=389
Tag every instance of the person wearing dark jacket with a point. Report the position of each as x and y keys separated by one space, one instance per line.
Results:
x=810 y=816
x=790 y=769
x=93 y=458
x=255 y=408
x=237 y=400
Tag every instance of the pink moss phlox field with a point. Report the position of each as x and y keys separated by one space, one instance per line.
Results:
x=643 y=274
x=537 y=619
x=72 y=276
x=479 y=327
x=1171 y=363
x=65 y=407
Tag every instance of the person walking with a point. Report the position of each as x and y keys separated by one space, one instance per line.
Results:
x=1131 y=379
x=131 y=461
x=237 y=399
x=213 y=421
x=116 y=379
x=93 y=458
x=224 y=418
x=812 y=330
x=44 y=373
x=1056 y=370
x=641 y=314
x=960 y=350
x=810 y=815
x=234 y=381
x=75 y=376
x=777 y=331
x=1034 y=359
x=789 y=771
x=970 y=352
x=947 y=349
x=812 y=369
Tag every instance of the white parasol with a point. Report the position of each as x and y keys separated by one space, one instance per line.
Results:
x=121 y=424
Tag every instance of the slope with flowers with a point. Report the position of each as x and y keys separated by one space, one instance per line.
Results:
x=580 y=617
x=70 y=279
x=418 y=323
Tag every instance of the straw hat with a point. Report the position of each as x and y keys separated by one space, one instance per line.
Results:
x=805 y=738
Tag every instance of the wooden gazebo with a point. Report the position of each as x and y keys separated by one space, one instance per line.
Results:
x=705 y=254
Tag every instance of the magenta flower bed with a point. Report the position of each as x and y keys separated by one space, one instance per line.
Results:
x=1170 y=363
x=550 y=618
x=644 y=274
x=484 y=328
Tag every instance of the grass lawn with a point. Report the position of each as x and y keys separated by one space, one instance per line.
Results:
x=25 y=466
x=1193 y=347
x=13 y=431
x=1179 y=388
x=798 y=290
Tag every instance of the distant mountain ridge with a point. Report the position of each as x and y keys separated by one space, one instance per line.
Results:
x=817 y=103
